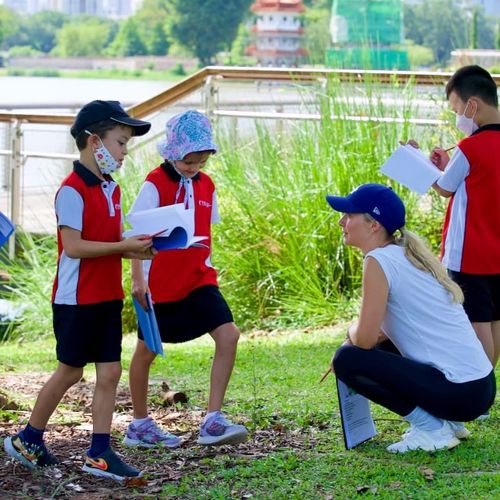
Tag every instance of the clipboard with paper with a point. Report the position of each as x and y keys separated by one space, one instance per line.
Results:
x=355 y=415
x=172 y=226
x=149 y=326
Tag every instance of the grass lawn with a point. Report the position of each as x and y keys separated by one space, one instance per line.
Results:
x=275 y=387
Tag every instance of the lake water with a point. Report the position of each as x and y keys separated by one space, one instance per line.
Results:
x=72 y=93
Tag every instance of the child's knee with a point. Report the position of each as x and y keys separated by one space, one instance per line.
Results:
x=227 y=335
x=143 y=354
x=109 y=375
x=69 y=375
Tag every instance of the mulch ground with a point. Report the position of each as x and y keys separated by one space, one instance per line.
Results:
x=69 y=437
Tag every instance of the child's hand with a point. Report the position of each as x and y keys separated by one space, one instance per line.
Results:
x=138 y=243
x=410 y=142
x=439 y=157
x=139 y=290
x=146 y=254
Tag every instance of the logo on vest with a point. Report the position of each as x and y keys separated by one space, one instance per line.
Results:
x=204 y=203
x=118 y=206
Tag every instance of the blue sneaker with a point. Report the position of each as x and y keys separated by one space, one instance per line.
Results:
x=32 y=456
x=148 y=434
x=108 y=464
x=216 y=430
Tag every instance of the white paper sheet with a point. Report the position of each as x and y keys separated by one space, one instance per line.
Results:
x=175 y=224
x=409 y=166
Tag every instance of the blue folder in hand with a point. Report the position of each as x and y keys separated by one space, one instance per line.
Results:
x=149 y=326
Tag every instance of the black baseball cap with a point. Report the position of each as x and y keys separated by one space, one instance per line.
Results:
x=99 y=111
x=381 y=202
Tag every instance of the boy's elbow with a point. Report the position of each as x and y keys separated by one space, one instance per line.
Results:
x=71 y=252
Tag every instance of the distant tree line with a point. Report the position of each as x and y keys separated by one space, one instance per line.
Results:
x=445 y=25
x=205 y=28
x=198 y=27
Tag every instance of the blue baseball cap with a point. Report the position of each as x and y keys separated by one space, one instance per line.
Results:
x=379 y=201
x=99 y=111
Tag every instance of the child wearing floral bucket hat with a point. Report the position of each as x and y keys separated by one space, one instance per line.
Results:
x=183 y=284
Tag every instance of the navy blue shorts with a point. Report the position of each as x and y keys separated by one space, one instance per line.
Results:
x=202 y=311
x=482 y=295
x=88 y=333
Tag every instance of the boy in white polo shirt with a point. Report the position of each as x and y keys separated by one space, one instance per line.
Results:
x=87 y=296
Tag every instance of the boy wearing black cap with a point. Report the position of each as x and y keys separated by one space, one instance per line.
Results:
x=87 y=297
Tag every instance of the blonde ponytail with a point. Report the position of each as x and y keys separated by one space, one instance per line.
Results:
x=422 y=258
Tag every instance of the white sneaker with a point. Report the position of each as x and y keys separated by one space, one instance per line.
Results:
x=484 y=416
x=457 y=427
x=418 y=439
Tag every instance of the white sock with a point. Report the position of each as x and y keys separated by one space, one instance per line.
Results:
x=423 y=420
x=140 y=421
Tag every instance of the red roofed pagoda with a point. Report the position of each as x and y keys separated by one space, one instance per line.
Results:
x=278 y=32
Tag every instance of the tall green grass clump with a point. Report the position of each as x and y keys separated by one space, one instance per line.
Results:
x=280 y=248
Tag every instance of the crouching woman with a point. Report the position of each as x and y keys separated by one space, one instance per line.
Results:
x=439 y=376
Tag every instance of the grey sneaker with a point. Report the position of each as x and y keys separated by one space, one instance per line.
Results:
x=148 y=434
x=216 y=430
x=418 y=439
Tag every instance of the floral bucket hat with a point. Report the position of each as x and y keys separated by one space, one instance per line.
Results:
x=187 y=132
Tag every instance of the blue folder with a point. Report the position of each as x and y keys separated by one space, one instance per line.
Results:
x=176 y=239
x=6 y=229
x=149 y=326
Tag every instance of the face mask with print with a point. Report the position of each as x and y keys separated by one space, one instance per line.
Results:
x=104 y=159
x=467 y=125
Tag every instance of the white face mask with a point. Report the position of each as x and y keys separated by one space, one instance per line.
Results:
x=467 y=125
x=104 y=159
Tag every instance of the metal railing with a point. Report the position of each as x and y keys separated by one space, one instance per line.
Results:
x=207 y=79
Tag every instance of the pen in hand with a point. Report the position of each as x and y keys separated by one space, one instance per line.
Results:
x=449 y=149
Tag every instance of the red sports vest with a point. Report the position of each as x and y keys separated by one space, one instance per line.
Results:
x=176 y=273
x=96 y=279
x=480 y=217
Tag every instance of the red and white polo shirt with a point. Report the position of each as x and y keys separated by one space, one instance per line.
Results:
x=86 y=203
x=471 y=231
x=174 y=274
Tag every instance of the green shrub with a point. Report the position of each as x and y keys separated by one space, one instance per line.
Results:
x=178 y=69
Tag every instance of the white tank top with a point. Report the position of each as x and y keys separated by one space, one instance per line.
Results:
x=423 y=322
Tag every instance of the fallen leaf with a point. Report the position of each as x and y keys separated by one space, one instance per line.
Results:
x=427 y=473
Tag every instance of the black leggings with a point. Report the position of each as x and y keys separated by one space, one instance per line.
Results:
x=401 y=384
